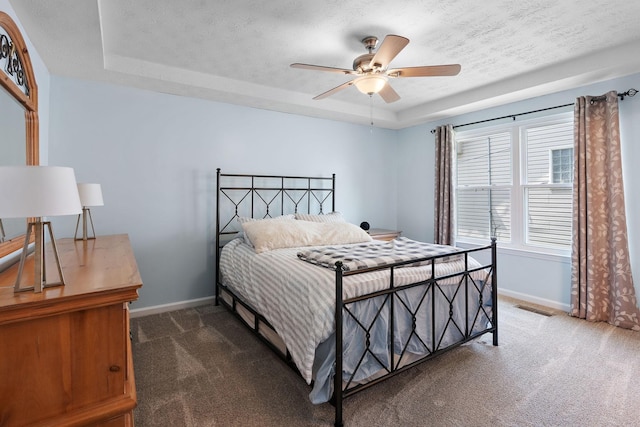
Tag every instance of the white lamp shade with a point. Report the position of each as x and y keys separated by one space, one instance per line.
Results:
x=90 y=194
x=370 y=84
x=36 y=191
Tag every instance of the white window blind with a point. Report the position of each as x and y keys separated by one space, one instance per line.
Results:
x=484 y=179
x=548 y=183
x=514 y=182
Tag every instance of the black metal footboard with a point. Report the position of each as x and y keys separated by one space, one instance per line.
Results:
x=472 y=291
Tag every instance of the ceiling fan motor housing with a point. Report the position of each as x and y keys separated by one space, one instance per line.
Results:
x=361 y=63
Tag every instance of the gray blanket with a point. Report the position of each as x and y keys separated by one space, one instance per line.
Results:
x=366 y=255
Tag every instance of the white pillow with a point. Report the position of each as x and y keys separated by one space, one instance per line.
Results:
x=245 y=219
x=268 y=235
x=330 y=217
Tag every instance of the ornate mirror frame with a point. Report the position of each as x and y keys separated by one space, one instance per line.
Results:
x=18 y=79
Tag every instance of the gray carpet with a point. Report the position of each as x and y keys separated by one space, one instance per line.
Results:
x=201 y=367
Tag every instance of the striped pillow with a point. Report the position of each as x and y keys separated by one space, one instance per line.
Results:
x=330 y=217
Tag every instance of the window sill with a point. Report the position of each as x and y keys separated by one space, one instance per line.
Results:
x=525 y=253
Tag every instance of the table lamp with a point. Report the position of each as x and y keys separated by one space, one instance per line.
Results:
x=34 y=192
x=90 y=195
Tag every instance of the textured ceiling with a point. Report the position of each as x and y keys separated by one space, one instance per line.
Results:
x=239 y=51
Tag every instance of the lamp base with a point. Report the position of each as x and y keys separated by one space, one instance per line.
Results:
x=86 y=213
x=40 y=274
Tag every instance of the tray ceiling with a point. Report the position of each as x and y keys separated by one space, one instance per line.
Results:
x=239 y=51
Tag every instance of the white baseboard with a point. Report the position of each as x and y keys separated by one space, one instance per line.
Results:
x=535 y=300
x=145 y=311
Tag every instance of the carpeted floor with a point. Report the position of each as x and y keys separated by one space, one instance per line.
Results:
x=202 y=367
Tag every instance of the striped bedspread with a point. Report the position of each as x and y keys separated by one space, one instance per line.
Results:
x=298 y=298
x=365 y=255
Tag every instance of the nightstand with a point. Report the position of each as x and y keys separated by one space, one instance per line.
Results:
x=382 y=234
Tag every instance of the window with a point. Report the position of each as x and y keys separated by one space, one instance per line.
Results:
x=514 y=182
x=562 y=165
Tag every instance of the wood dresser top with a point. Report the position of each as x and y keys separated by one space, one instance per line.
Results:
x=100 y=271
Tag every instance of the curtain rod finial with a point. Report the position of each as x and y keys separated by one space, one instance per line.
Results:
x=630 y=92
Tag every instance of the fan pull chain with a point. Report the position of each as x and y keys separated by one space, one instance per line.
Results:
x=371 y=110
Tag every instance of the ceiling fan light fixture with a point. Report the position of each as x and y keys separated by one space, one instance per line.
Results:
x=370 y=84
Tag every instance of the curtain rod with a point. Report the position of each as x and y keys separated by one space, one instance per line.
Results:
x=630 y=92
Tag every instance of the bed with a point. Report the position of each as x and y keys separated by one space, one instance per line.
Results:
x=327 y=298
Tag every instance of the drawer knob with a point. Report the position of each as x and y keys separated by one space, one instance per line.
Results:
x=114 y=368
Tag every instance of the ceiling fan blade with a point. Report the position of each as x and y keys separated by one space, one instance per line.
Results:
x=321 y=68
x=334 y=90
x=390 y=47
x=388 y=94
x=426 y=71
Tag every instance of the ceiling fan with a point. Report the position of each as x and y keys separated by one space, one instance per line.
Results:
x=372 y=69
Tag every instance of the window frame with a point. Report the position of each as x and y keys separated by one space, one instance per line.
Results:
x=519 y=183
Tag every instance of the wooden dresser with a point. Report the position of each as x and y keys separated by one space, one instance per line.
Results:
x=65 y=353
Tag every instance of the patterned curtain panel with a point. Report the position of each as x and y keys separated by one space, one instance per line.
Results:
x=443 y=223
x=601 y=281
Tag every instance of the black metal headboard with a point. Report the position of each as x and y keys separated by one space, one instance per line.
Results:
x=267 y=196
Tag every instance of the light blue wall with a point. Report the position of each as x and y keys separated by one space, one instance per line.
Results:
x=416 y=180
x=541 y=279
x=155 y=156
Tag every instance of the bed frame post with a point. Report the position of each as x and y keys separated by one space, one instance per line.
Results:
x=333 y=192
x=217 y=250
x=494 y=289
x=337 y=377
